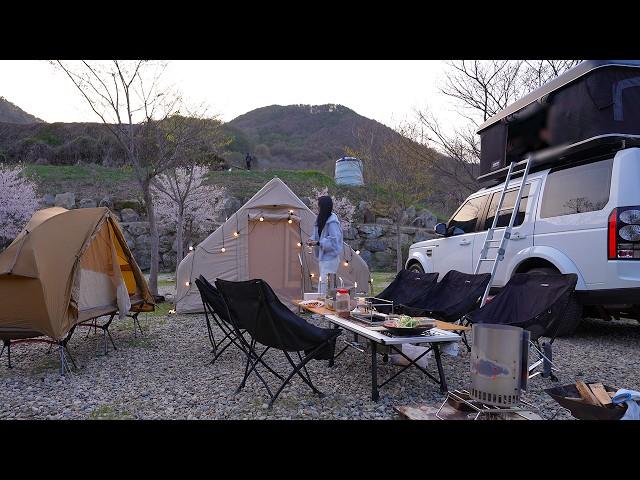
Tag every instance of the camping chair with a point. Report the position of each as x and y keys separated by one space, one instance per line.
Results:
x=215 y=306
x=254 y=306
x=406 y=287
x=15 y=336
x=534 y=302
x=449 y=300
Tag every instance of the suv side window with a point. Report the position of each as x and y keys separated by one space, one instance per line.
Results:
x=466 y=217
x=580 y=189
x=507 y=207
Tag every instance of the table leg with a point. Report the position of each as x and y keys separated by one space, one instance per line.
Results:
x=443 y=380
x=374 y=372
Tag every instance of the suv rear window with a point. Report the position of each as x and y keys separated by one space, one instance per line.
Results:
x=580 y=189
x=507 y=207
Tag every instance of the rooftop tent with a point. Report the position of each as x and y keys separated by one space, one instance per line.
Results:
x=593 y=99
x=267 y=249
x=65 y=267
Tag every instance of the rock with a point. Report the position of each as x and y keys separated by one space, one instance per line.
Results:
x=350 y=233
x=375 y=245
x=364 y=212
x=382 y=260
x=106 y=202
x=136 y=228
x=384 y=221
x=87 y=203
x=231 y=205
x=409 y=214
x=65 y=200
x=129 y=215
x=48 y=200
x=425 y=219
x=131 y=203
x=423 y=235
x=370 y=231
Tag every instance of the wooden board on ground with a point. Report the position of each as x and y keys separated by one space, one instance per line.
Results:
x=428 y=412
x=586 y=394
x=600 y=393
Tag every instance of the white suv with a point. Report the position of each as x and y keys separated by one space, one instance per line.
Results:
x=582 y=218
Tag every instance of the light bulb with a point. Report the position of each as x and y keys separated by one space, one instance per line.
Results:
x=290 y=221
x=355 y=284
x=357 y=252
x=290 y=211
x=223 y=249
x=236 y=233
x=191 y=248
x=346 y=263
x=261 y=218
x=187 y=283
x=299 y=244
x=311 y=275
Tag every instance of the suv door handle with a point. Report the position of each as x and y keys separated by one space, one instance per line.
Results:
x=517 y=236
x=465 y=242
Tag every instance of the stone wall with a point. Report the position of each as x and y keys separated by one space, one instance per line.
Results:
x=374 y=237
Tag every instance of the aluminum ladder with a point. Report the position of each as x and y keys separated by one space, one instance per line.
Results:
x=491 y=243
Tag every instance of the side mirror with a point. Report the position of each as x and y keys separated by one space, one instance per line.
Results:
x=441 y=229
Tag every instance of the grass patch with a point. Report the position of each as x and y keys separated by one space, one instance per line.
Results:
x=166 y=283
x=162 y=309
x=381 y=280
x=55 y=173
x=109 y=412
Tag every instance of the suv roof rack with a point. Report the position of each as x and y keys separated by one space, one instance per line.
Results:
x=567 y=154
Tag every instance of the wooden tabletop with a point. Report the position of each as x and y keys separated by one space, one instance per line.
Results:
x=439 y=324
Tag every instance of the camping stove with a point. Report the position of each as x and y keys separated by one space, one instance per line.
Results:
x=499 y=364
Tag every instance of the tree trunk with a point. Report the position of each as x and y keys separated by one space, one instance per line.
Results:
x=399 y=263
x=179 y=239
x=155 y=240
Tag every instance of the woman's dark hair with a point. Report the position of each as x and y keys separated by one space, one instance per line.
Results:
x=325 y=207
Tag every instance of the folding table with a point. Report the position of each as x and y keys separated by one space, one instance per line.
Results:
x=377 y=335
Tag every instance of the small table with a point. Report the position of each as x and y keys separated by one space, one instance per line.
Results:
x=375 y=336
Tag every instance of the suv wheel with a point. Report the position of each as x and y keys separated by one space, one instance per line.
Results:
x=416 y=267
x=573 y=313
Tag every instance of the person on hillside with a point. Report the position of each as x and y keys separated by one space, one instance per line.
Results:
x=327 y=240
x=248 y=160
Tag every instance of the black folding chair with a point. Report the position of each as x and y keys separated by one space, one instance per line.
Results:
x=406 y=287
x=450 y=299
x=534 y=302
x=254 y=306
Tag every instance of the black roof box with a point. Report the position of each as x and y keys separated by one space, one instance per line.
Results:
x=597 y=99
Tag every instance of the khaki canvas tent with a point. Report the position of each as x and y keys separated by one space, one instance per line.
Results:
x=66 y=267
x=264 y=239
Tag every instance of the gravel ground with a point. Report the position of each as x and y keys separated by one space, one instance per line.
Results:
x=166 y=374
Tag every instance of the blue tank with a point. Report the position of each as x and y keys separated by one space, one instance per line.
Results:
x=349 y=171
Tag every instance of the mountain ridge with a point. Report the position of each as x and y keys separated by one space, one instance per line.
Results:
x=11 y=113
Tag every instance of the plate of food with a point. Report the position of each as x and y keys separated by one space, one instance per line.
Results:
x=312 y=303
x=406 y=325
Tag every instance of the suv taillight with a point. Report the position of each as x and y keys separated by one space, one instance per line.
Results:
x=623 y=234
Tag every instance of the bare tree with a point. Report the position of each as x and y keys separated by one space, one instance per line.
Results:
x=396 y=165
x=142 y=114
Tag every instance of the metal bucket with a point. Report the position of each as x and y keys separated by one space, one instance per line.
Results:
x=499 y=363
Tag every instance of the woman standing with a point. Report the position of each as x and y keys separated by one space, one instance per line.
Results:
x=327 y=240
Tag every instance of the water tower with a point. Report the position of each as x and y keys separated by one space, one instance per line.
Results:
x=349 y=171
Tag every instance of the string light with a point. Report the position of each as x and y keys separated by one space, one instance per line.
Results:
x=346 y=263
x=187 y=283
x=223 y=249
x=289 y=221
x=355 y=284
x=236 y=233
x=298 y=244
x=261 y=218
x=311 y=275
x=357 y=252
x=290 y=212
